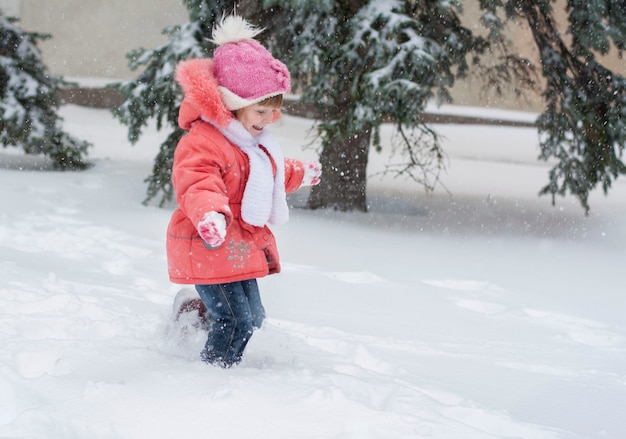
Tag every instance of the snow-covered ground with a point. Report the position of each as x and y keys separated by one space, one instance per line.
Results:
x=486 y=313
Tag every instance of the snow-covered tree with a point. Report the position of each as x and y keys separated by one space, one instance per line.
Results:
x=583 y=125
x=360 y=62
x=365 y=62
x=28 y=101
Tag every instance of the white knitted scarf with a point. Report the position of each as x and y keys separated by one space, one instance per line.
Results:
x=264 y=199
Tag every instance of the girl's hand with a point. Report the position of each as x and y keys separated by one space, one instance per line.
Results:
x=312 y=173
x=212 y=229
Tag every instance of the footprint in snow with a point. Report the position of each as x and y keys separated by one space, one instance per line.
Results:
x=577 y=329
x=351 y=277
x=471 y=294
x=358 y=277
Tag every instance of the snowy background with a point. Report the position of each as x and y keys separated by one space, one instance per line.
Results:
x=486 y=313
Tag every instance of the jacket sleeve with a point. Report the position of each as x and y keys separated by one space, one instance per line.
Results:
x=294 y=173
x=197 y=178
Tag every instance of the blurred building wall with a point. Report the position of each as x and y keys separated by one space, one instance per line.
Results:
x=90 y=38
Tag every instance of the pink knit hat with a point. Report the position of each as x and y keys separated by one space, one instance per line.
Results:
x=245 y=71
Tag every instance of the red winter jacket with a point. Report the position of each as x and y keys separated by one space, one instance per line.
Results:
x=210 y=174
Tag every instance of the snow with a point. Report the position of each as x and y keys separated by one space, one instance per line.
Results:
x=483 y=313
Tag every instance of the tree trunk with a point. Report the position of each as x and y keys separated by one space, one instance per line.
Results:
x=344 y=178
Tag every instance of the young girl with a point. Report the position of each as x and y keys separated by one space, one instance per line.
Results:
x=230 y=179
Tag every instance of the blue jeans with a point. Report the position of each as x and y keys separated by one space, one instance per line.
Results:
x=235 y=310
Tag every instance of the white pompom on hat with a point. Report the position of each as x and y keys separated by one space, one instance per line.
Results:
x=246 y=72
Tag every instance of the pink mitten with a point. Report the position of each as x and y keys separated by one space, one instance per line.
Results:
x=212 y=229
x=312 y=173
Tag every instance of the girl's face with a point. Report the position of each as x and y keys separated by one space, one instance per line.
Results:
x=256 y=116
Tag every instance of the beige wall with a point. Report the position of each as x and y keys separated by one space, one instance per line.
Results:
x=91 y=39
x=10 y=7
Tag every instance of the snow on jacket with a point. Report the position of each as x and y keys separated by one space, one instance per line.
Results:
x=211 y=172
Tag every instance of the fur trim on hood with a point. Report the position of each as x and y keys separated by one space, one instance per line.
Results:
x=202 y=96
